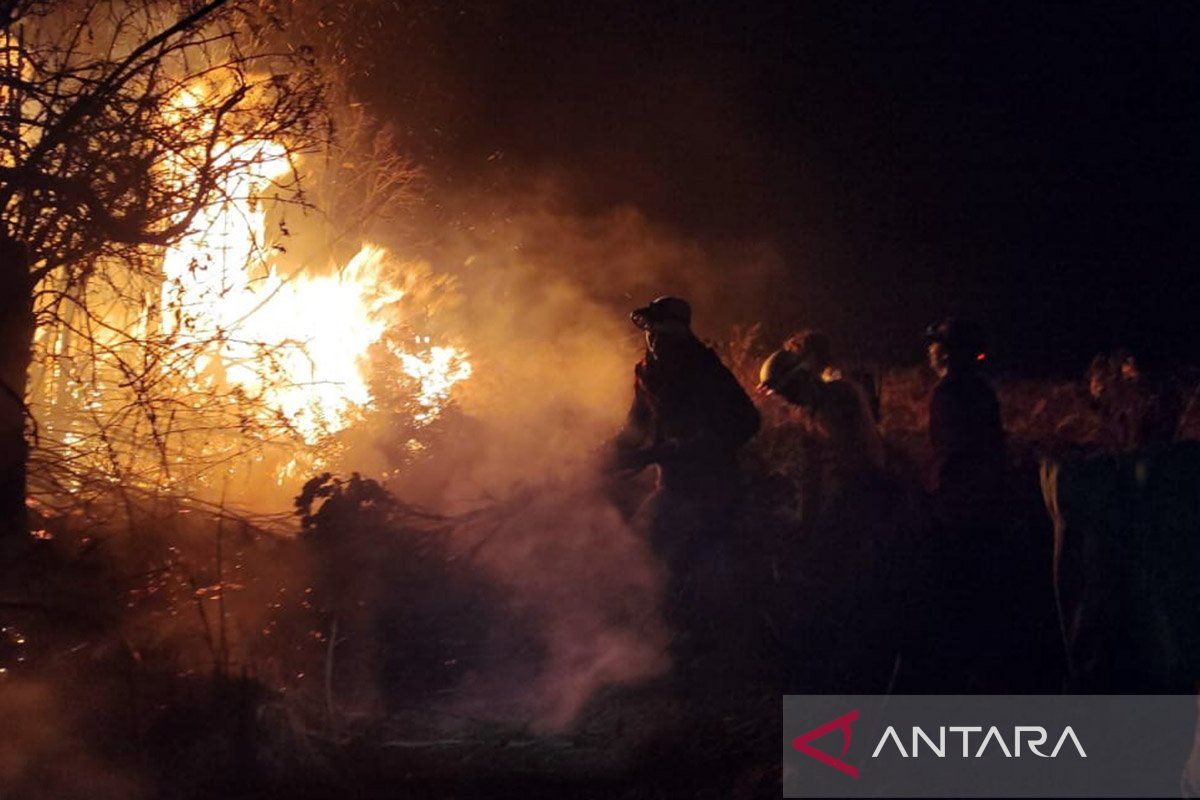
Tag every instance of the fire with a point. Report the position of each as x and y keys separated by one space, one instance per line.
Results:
x=436 y=375
x=296 y=343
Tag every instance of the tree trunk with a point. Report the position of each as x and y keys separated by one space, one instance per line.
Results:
x=16 y=346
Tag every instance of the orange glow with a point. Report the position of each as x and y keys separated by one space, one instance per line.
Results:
x=299 y=343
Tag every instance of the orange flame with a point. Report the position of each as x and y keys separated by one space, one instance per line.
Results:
x=299 y=343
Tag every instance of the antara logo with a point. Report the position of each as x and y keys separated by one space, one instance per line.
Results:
x=842 y=723
x=1034 y=737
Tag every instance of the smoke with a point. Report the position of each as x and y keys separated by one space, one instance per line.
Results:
x=587 y=584
x=542 y=295
x=44 y=756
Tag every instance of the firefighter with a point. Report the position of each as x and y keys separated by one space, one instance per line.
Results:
x=853 y=519
x=968 y=641
x=689 y=419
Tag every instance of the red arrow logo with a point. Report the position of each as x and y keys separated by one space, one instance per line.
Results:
x=842 y=723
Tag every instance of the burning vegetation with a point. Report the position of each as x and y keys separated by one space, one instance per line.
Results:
x=199 y=321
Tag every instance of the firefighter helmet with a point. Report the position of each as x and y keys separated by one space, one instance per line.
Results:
x=662 y=309
x=779 y=368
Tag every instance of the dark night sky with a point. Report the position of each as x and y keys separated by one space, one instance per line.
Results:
x=1035 y=165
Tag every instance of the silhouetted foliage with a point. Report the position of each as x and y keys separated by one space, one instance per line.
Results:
x=123 y=123
x=409 y=617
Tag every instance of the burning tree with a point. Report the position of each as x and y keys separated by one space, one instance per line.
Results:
x=123 y=123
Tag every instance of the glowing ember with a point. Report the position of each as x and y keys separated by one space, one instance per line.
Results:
x=299 y=343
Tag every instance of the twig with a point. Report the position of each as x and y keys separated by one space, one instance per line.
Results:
x=208 y=638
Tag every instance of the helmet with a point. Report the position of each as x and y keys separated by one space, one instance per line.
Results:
x=662 y=309
x=778 y=368
x=962 y=338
